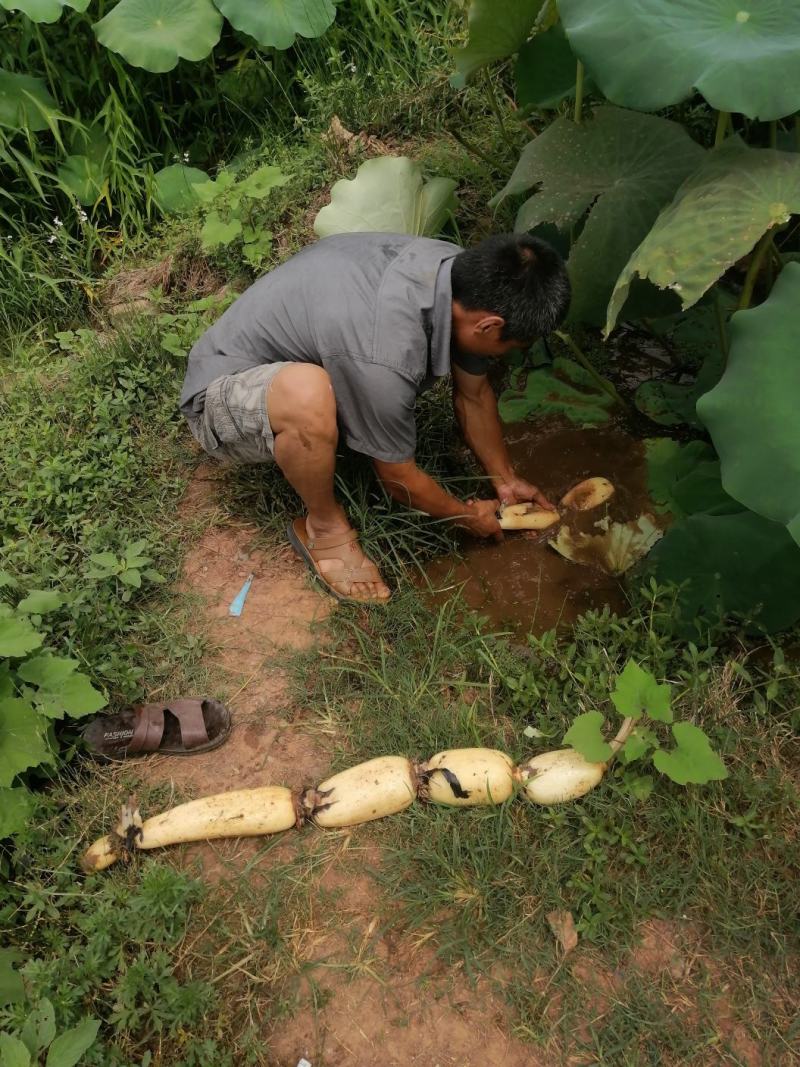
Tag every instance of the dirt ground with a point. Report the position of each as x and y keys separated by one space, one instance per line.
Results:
x=379 y=999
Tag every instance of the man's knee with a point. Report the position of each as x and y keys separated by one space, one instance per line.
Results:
x=301 y=397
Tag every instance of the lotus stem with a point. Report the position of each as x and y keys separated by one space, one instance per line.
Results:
x=494 y=104
x=473 y=150
x=722 y=333
x=599 y=380
x=623 y=734
x=578 y=114
x=723 y=117
x=753 y=268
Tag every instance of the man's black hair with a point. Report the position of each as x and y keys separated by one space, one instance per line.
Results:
x=519 y=277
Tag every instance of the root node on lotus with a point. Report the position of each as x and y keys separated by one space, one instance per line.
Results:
x=459 y=777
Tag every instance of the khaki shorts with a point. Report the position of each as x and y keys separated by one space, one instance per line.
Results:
x=234 y=424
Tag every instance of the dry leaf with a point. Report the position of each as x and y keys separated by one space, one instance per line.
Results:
x=563 y=926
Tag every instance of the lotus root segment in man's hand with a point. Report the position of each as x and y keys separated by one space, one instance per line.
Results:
x=339 y=341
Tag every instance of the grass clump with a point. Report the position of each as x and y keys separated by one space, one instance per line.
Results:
x=93 y=463
x=405 y=681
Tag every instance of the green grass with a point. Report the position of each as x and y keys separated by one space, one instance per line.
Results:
x=93 y=459
x=193 y=968
x=723 y=858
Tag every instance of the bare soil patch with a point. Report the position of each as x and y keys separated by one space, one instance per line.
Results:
x=271 y=743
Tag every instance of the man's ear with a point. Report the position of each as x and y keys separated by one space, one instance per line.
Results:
x=490 y=324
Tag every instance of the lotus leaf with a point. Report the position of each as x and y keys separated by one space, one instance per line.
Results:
x=621 y=167
x=545 y=72
x=752 y=414
x=692 y=760
x=23 y=101
x=670 y=403
x=586 y=735
x=276 y=23
x=175 y=188
x=43 y=10
x=736 y=195
x=81 y=176
x=685 y=479
x=155 y=34
x=497 y=29
x=636 y=693
x=387 y=195
x=562 y=389
x=615 y=550
x=742 y=56
x=739 y=563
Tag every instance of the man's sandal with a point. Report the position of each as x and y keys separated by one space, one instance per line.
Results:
x=313 y=551
x=183 y=727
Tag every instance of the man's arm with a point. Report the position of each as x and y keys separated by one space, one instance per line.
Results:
x=476 y=410
x=416 y=489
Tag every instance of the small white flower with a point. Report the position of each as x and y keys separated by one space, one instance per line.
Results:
x=185 y=157
x=352 y=68
x=57 y=221
x=51 y=238
x=83 y=216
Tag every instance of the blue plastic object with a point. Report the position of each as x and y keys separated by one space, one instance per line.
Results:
x=238 y=604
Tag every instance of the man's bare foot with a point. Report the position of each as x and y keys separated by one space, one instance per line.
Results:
x=340 y=560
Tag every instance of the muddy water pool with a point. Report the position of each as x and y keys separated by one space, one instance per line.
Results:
x=523 y=584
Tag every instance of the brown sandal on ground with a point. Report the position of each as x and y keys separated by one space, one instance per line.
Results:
x=324 y=548
x=182 y=727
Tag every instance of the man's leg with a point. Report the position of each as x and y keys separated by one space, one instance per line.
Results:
x=302 y=413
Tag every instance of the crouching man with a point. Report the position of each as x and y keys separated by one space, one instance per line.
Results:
x=340 y=340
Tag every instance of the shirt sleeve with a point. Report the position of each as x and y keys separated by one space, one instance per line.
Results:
x=375 y=409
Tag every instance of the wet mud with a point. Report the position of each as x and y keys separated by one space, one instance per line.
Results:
x=523 y=584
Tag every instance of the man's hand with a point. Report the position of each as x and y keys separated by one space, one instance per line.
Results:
x=516 y=490
x=481 y=519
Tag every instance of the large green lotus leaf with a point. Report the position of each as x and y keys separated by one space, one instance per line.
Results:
x=545 y=71
x=561 y=389
x=736 y=195
x=683 y=479
x=733 y=564
x=176 y=188
x=387 y=195
x=752 y=414
x=155 y=34
x=23 y=100
x=276 y=23
x=43 y=10
x=621 y=167
x=497 y=29
x=742 y=55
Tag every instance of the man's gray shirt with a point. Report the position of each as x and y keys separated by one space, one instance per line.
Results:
x=373 y=309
